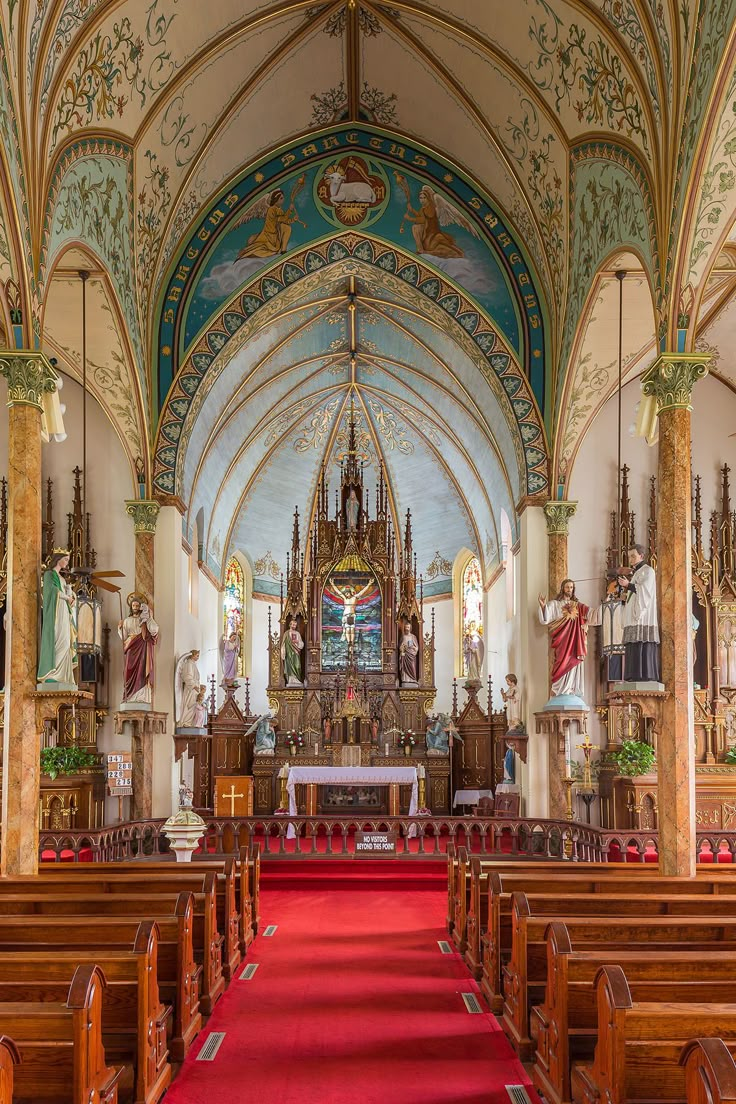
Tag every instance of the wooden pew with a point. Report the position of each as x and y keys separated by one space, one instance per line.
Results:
x=495 y=942
x=564 y=1026
x=178 y=973
x=134 y=1020
x=9 y=1057
x=486 y=885
x=136 y=895
x=710 y=1072
x=245 y=874
x=460 y=872
x=524 y=977
x=637 y=1056
x=62 y=1058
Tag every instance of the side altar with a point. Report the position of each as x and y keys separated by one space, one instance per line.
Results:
x=351 y=664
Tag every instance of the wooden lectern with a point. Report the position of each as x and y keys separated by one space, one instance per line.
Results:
x=233 y=795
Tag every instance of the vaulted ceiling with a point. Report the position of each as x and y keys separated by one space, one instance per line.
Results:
x=603 y=133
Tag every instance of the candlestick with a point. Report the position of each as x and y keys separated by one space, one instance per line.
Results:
x=387 y=751
x=316 y=750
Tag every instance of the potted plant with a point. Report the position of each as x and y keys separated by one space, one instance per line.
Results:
x=294 y=740
x=731 y=755
x=633 y=758
x=65 y=760
x=407 y=741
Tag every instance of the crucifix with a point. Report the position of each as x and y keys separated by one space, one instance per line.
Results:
x=231 y=797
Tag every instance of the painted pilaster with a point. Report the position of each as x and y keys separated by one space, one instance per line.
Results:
x=29 y=376
x=144 y=513
x=558 y=515
x=533 y=663
x=670 y=382
x=556 y=728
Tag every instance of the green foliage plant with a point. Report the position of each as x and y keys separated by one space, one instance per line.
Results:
x=633 y=758
x=65 y=760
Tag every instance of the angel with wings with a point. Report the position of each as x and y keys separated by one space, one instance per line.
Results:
x=435 y=212
x=273 y=237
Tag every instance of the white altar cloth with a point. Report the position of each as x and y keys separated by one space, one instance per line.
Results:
x=351 y=776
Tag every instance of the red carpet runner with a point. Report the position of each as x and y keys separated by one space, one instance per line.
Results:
x=352 y=1003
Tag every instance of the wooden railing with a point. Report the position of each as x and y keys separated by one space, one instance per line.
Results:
x=416 y=838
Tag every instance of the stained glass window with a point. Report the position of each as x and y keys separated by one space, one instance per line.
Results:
x=472 y=597
x=234 y=606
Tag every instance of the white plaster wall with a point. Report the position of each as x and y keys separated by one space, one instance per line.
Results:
x=502 y=636
x=445 y=646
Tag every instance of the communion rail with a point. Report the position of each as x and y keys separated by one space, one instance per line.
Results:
x=416 y=838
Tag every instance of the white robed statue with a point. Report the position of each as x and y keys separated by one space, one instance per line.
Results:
x=474 y=651
x=641 y=629
x=265 y=741
x=188 y=686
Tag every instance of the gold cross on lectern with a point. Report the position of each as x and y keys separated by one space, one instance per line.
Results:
x=231 y=797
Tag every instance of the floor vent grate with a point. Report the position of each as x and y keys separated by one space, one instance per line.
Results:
x=248 y=972
x=444 y=946
x=472 y=1004
x=208 y=1053
x=270 y=930
x=518 y=1094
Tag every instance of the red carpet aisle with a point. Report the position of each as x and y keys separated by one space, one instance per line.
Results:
x=352 y=1003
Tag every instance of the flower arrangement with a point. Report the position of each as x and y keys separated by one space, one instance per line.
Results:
x=731 y=755
x=406 y=739
x=295 y=739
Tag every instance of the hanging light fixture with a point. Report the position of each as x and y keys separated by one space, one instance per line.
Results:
x=620 y=276
x=89 y=605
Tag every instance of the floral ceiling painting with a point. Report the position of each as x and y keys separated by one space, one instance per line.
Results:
x=494 y=159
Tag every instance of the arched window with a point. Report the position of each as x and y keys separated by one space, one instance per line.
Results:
x=233 y=607
x=472 y=597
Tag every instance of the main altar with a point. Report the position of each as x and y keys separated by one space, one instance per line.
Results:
x=351 y=662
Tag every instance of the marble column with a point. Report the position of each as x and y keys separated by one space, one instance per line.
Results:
x=670 y=382
x=144 y=513
x=29 y=377
x=557 y=515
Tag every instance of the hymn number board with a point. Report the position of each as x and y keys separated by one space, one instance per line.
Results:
x=119 y=774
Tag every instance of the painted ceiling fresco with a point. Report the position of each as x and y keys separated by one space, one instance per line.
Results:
x=506 y=156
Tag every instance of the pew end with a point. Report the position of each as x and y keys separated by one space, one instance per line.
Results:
x=710 y=1072
x=9 y=1057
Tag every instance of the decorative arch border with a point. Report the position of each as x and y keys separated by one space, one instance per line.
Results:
x=187 y=262
x=245 y=306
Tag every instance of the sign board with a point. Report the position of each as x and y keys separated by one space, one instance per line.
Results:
x=119 y=774
x=375 y=843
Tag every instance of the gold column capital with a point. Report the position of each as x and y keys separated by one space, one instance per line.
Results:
x=144 y=512
x=30 y=375
x=558 y=514
x=671 y=379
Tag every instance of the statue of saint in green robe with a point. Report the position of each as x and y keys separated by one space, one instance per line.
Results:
x=291 y=649
x=58 y=653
